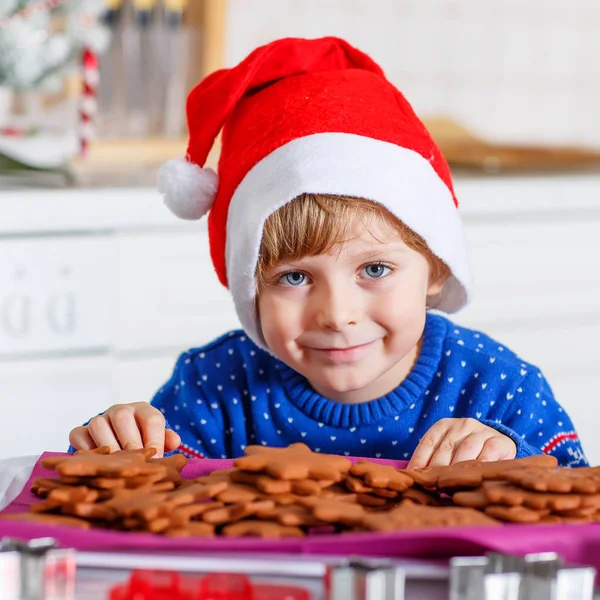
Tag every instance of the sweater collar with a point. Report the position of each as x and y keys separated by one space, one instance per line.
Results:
x=321 y=409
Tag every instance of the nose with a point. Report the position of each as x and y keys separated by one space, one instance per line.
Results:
x=337 y=307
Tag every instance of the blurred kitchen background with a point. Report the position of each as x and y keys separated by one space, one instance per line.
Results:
x=101 y=288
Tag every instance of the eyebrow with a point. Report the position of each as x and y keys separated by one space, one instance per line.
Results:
x=372 y=254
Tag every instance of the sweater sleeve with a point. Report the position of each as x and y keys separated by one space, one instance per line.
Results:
x=537 y=424
x=190 y=412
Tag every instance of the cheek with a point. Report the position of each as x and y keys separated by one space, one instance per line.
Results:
x=403 y=301
x=278 y=320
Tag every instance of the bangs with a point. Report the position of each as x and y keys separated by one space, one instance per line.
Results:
x=315 y=224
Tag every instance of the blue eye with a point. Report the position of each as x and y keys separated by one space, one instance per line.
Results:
x=376 y=271
x=294 y=279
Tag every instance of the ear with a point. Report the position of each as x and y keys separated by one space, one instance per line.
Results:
x=435 y=287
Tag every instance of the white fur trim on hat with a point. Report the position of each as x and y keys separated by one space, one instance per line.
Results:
x=346 y=164
x=189 y=190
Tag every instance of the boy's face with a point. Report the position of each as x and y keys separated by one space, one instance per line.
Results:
x=350 y=321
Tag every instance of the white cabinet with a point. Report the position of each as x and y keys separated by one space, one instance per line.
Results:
x=56 y=295
x=534 y=271
x=42 y=399
x=168 y=295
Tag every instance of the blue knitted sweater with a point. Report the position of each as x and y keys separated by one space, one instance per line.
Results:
x=230 y=393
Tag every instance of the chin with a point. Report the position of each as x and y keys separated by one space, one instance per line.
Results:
x=340 y=383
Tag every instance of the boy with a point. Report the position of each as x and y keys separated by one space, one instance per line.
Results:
x=335 y=226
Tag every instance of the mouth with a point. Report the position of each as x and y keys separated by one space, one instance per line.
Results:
x=348 y=354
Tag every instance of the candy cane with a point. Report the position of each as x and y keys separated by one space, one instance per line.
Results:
x=89 y=104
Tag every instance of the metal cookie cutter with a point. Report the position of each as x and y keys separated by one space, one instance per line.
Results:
x=42 y=572
x=532 y=577
x=365 y=580
x=10 y=573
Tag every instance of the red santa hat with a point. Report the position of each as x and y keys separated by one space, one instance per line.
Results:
x=308 y=116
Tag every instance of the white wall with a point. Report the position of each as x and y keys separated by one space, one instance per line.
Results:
x=514 y=70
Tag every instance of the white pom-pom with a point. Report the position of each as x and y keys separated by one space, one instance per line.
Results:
x=189 y=190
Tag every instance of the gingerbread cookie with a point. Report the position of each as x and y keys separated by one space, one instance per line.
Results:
x=119 y=464
x=515 y=514
x=331 y=511
x=421 y=496
x=293 y=516
x=560 y=479
x=512 y=495
x=99 y=450
x=471 y=473
x=371 y=500
x=70 y=495
x=196 y=491
x=182 y=515
x=294 y=462
x=270 y=485
x=192 y=529
x=262 y=529
x=45 y=519
x=232 y=513
x=410 y=516
x=381 y=476
x=476 y=498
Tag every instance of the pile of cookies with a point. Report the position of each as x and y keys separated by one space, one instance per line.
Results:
x=292 y=492
x=518 y=492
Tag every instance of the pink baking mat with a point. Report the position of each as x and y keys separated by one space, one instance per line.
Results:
x=576 y=543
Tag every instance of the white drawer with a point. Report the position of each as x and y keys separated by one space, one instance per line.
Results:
x=169 y=294
x=527 y=271
x=56 y=295
x=576 y=393
x=137 y=379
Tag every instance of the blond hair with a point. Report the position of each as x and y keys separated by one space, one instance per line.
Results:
x=314 y=224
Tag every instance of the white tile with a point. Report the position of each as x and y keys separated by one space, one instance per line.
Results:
x=587 y=67
x=517 y=54
x=586 y=119
x=508 y=67
x=557 y=49
x=469 y=53
x=426 y=99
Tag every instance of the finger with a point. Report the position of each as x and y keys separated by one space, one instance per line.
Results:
x=498 y=447
x=102 y=433
x=124 y=424
x=172 y=440
x=428 y=444
x=445 y=451
x=81 y=439
x=470 y=447
x=152 y=425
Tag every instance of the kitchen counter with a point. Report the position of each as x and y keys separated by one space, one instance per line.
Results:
x=90 y=209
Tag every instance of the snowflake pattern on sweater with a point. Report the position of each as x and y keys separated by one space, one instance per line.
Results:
x=230 y=393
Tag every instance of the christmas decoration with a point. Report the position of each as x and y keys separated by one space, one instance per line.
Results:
x=89 y=103
x=41 y=39
x=44 y=44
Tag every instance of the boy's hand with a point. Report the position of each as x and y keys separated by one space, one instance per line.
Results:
x=453 y=440
x=127 y=427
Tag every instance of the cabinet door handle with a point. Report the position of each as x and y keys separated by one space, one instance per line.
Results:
x=16 y=316
x=61 y=314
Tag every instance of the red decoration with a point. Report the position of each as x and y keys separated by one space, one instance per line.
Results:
x=89 y=104
x=165 y=585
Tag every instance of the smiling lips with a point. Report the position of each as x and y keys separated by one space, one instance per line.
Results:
x=341 y=355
